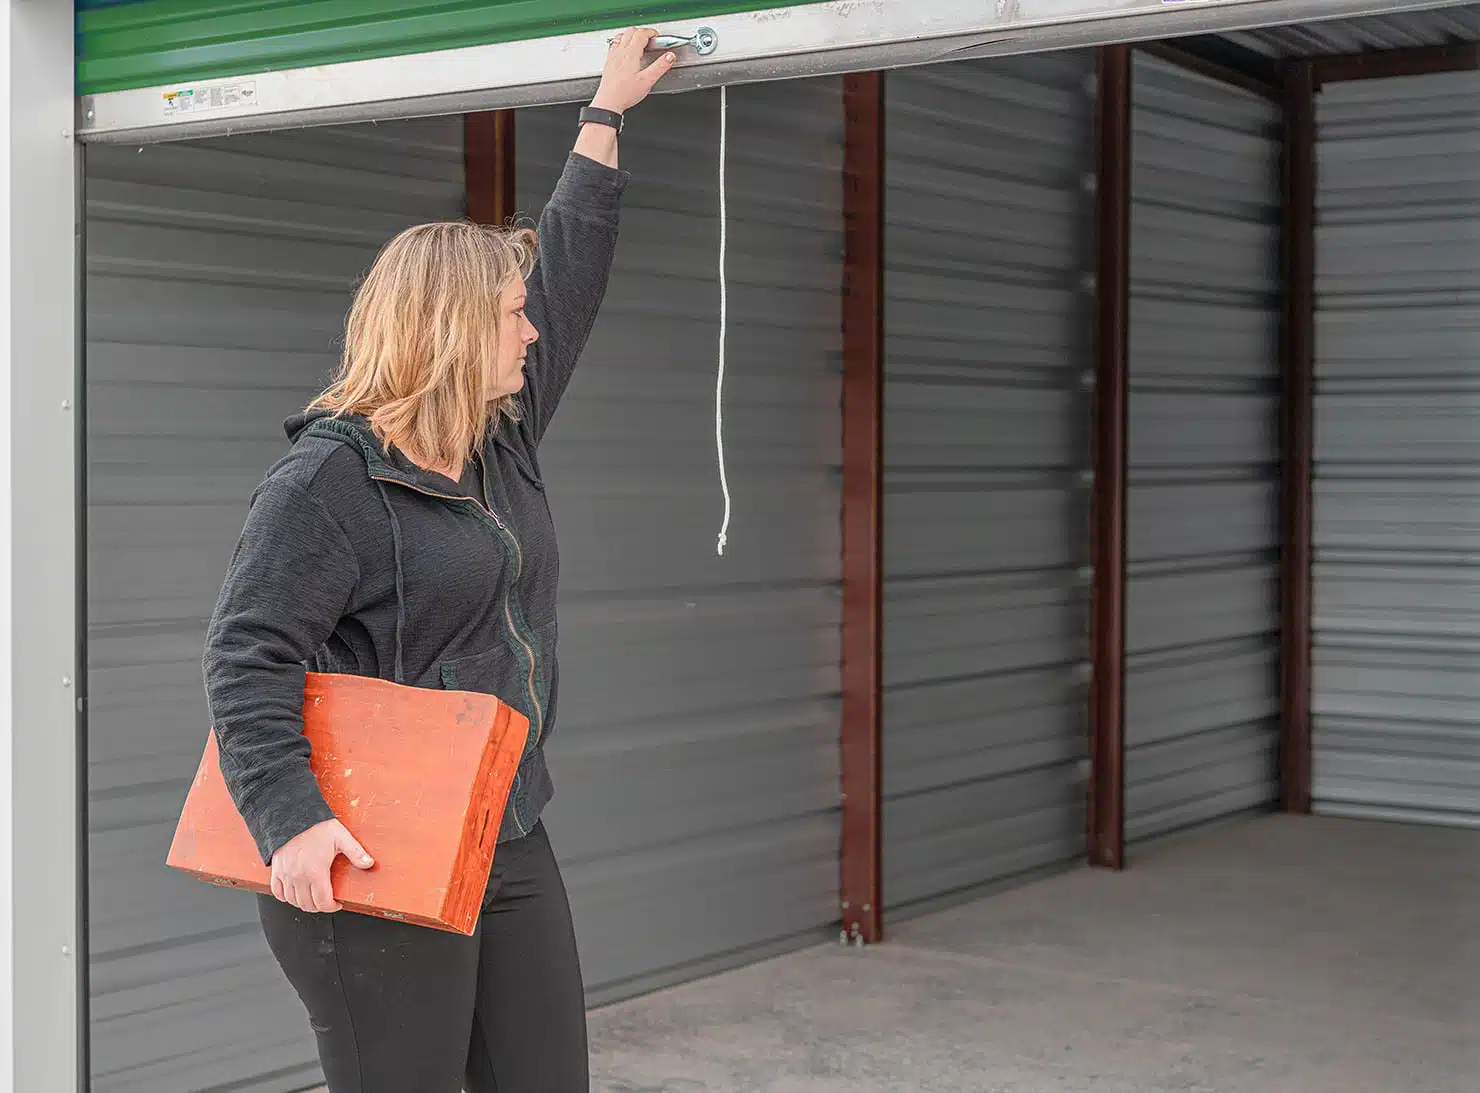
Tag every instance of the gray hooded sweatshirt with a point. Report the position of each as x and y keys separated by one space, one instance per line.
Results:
x=355 y=560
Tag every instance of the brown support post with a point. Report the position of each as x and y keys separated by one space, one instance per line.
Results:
x=863 y=493
x=1297 y=435
x=1112 y=390
x=488 y=162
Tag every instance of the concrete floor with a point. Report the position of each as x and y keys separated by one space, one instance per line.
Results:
x=1282 y=955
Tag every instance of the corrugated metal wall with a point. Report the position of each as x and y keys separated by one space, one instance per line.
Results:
x=1202 y=687
x=218 y=277
x=988 y=327
x=696 y=761
x=1397 y=543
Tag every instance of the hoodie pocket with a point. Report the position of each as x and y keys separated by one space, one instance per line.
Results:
x=507 y=675
x=493 y=672
x=544 y=669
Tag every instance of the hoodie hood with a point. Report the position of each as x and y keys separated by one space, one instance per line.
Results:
x=354 y=431
x=295 y=425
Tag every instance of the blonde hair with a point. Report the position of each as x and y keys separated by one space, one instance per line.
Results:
x=422 y=337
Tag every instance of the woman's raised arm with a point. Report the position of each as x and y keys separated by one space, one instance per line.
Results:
x=578 y=232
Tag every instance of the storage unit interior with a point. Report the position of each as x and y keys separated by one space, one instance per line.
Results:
x=696 y=760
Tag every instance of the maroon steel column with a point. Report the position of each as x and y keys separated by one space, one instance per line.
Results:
x=1297 y=436
x=488 y=160
x=863 y=494
x=1108 y=525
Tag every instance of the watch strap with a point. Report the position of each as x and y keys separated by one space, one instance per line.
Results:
x=598 y=116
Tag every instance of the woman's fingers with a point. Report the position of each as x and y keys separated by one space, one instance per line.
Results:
x=656 y=71
x=322 y=894
x=312 y=892
x=627 y=77
x=633 y=43
x=349 y=846
x=297 y=895
x=622 y=44
x=301 y=866
x=295 y=888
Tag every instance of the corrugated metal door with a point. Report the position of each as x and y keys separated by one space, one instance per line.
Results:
x=696 y=760
x=1202 y=688
x=138 y=43
x=988 y=325
x=218 y=273
x=1397 y=588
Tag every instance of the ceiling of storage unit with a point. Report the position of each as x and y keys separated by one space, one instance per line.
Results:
x=1405 y=30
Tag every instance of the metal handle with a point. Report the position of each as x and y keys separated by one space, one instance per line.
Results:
x=705 y=41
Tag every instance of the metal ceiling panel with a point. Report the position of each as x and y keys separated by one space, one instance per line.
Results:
x=1439 y=26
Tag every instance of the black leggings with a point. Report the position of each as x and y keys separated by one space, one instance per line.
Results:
x=406 y=1009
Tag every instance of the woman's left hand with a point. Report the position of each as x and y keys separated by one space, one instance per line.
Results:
x=625 y=81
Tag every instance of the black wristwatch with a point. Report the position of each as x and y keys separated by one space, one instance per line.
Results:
x=602 y=117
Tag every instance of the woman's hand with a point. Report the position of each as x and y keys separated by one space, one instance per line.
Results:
x=300 y=868
x=625 y=82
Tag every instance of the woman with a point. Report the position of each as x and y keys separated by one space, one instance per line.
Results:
x=405 y=536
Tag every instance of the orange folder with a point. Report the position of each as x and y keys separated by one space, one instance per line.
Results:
x=419 y=776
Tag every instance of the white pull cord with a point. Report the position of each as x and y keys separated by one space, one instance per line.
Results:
x=724 y=319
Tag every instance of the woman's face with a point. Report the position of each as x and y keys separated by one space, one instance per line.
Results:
x=516 y=335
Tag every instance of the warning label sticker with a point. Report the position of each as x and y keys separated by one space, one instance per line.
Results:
x=196 y=100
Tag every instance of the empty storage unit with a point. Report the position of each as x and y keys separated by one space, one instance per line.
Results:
x=1015 y=424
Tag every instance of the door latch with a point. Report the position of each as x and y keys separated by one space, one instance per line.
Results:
x=705 y=41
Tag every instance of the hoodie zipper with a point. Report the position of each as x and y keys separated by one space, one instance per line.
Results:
x=539 y=728
x=485 y=509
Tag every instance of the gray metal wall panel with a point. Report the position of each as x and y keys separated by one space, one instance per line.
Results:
x=218 y=277
x=696 y=760
x=1202 y=612
x=988 y=329
x=1397 y=592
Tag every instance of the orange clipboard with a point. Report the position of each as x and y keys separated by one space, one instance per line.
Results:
x=419 y=776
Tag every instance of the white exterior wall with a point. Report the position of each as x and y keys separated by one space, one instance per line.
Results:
x=39 y=957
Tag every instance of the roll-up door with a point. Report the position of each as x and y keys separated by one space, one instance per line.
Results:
x=1396 y=705
x=696 y=759
x=1202 y=687
x=988 y=326
x=218 y=276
